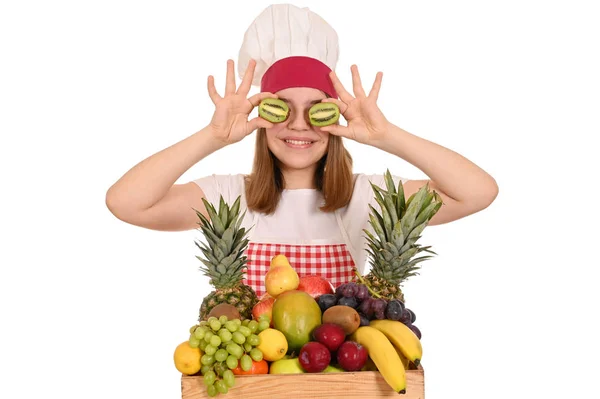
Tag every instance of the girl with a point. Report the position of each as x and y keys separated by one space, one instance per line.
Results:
x=301 y=198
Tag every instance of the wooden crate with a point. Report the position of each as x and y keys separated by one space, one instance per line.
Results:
x=363 y=384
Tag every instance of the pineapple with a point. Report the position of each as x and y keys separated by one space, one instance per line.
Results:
x=397 y=228
x=223 y=260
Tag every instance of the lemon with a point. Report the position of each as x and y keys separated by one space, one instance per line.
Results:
x=273 y=344
x=187 y=359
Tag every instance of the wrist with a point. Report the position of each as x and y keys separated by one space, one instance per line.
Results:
x=207 y=140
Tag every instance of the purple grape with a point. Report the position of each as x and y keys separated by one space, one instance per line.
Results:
x=364 y=320
x=326 y=301
x=350 y=290
x=348 y=301
x=362 y=292
x=380 y=315
x=415 y=330
x=413 y=316
x=405 y=317
x=339 y=290
x=366 y=308
x=393 y=310
x=379 y=305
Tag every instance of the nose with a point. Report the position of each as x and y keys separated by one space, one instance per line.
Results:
x=298 y=121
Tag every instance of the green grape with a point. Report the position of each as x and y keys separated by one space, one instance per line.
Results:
x=245 y=331
x=229 y=378
x=264 y=317
x=247 y=347
x=210 y=349
x=221 y=355
x=253 y=325
x=235 y=350
x=205 y=369
x=200 y=332
x=263 y=325
x=193 y=328
x=194 y=342
x=215 y=340
x=210 y=319
x=207 y=360
x=223 y=319
x=232 y=362
x=245 y=322
x=246 y=363
x=203 y=345
x=225 y=335
x=238 y=337
x=220 y=368
x=221 y=386
x=231 y=325
x=256 y=354
x=203 y=323
x=238 y=322
x=215 y=325
x=209 y=378
x=211 y=391
x=253 y=340
x=208 y=335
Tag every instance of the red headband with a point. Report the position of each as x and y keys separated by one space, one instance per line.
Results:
x=298 y=71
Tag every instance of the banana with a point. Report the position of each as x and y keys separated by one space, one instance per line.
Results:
x=402 y=337
x=383 y=354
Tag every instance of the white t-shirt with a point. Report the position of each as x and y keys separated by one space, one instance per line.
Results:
x=298 y=219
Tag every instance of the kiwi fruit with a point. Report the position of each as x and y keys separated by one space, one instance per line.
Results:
x=344 y=316
x=224 y=309
x=323 y=114
x=273 y=110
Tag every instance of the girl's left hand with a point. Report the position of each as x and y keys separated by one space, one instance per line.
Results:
x=366 y=122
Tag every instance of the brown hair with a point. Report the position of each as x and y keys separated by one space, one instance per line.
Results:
x=333 y=177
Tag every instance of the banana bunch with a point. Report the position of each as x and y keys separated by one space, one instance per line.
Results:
x=392 y=347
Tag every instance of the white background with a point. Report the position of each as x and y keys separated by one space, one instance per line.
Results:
x=93 y=307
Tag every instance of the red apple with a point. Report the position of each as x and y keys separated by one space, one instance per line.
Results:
x=331 y=335
x=352 y=356
x=264 y=306
x=315 y=286
x=314 y=357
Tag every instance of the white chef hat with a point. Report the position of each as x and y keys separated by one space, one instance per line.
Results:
x=293 y=47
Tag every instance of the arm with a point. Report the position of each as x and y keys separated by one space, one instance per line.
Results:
x=147 y=195
x=464 y=187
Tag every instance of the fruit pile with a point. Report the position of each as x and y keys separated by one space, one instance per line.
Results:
x=303 y=324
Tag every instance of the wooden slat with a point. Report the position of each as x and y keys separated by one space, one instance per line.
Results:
x=364 y=385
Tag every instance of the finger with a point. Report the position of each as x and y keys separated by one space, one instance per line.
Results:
x=257 y=98
x=374 y=93
x=247 y=80
x=212 y=91
x=230 y=85
x=337 y=130
x=337 y=85
x=257 y=122
x=356 y=83
x=341 y=105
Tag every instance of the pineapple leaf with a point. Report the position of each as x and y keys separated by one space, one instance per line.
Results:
x=235 y=209
x=372 y=239
x=223 y=211
x=218 y=252
x=376 y=223
x=397 y=235
x=227 y=239
x=221 y=269
x=391 y=248
x=416 y=232
x=211 y=237
x=214 y=218
x=387 y=220
x=389 y=182
x=412 y=210
x=400 y=200
x=387 y=255
x=427 y=213
x=389 y=205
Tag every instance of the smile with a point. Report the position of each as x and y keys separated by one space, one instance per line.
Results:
x=298 y=143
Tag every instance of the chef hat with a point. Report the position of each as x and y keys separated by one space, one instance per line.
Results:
x=293 y=47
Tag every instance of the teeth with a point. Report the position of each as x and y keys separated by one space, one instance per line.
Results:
x=297 y=142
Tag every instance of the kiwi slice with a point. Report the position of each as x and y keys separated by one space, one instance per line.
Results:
x=323 y=114
x=273 y=110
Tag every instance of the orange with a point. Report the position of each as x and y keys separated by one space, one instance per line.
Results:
x=261 y=367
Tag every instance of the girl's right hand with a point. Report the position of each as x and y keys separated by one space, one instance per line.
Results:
x=230 y=122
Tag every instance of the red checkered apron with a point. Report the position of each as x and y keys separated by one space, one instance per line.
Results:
x=333 y=262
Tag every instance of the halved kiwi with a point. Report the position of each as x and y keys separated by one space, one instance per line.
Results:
x=323 y=114
x=273 y=110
